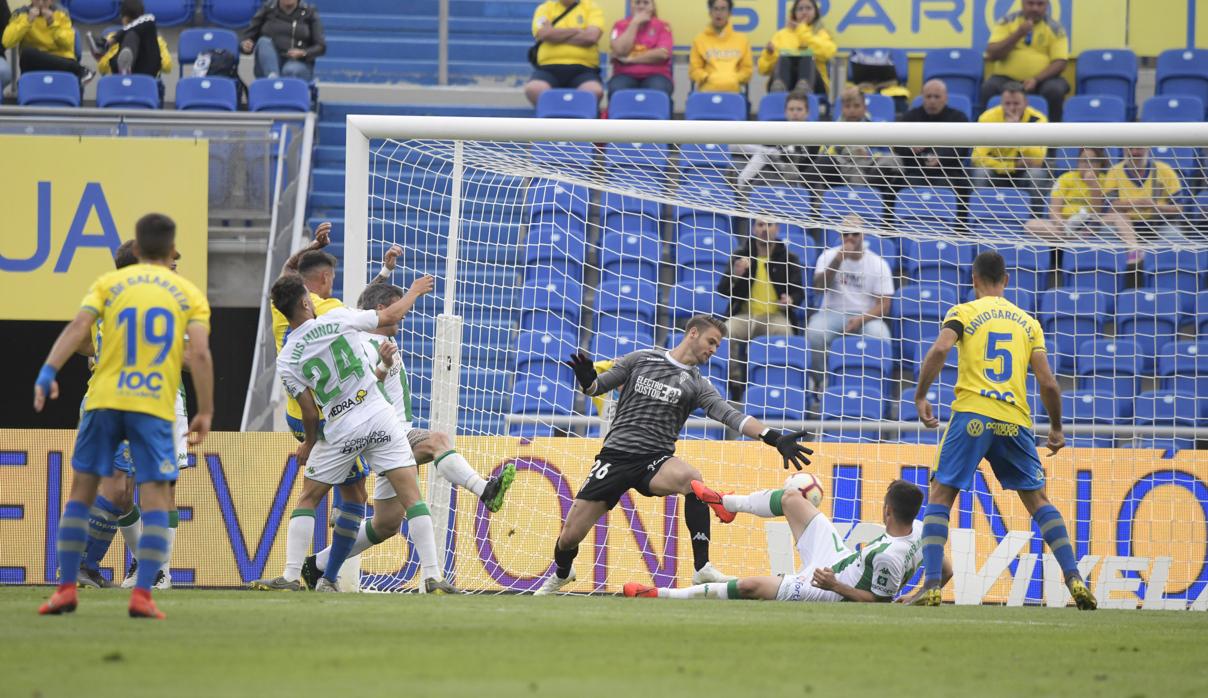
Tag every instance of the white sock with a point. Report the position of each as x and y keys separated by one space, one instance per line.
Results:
x=419 y=530
x=700 y=591
x=758 y=503
x=300 y=536
x=361 y=544
x=168 y=558
x=453 y=467
x=131 y=534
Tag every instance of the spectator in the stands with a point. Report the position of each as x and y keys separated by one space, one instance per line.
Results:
x=641 y=51
x=1078 y=207
x=1012 y=166
x=137 y=46
x=568 y=57
x=933 y=166
x=1031 y=48
x=43 y=32
x=6 y=71
x=798 y=56
x=286 y=37
x=861 y=165
x=797 y=165
x=1144 y=190
x=720 y=60
x=857 y=291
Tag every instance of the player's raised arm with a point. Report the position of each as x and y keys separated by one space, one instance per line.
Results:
x=1050 y=395
x=593 y=383
x=933 y=363
x=322 y=239
x=201 y=369
x=389 y=262
x=310 y=425
x=393 y=314
x=69 y=340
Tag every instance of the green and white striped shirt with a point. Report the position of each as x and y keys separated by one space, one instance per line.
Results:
x=884 y=564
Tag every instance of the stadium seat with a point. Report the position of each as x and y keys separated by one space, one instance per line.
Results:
x=1183 y=71
x=542 y=355
x=232 y=14
x=940 y=396
x=1023 y=299
x=1187 y=161
x=194 y=42
x=48 y=89
x=555 y=249
x=556 y=203
x=626 y=307
x=553 y=306
x=771 y=107
x=960 y=69
x=938 y=261
x=999 y=211
x=765 y=402
x=639 y=104
x=704 y=156
x=93 y=11
x=170 y=13
x=633 y=256
x=920 y=308
x=566 y=104
x=839 y=202
x=1183 y=367
x=206 y=94
x=704 y=249
x=958 y=102
x=1100 y=270
x=279 y=94
x=629 y=214
x=1166 y=407
x=1080 y=407
x=777 y=361
x=1109 y=366
x=867 y=358
x=1095 y=109
x=715 y=106
x=791 y=202
x=852 y=405
x=1177 y=270
x=1108 y=72
x=127 y=92
x=1034 y=101
x=637 y=165
x=1172 y=108
x=1149 y=317
x=542 y=396
x=688 y=299
x=1069 y=316
x=923 y=208
x=1029 y=269
x=612 y=346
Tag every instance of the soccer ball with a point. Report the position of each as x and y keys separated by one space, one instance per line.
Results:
x=810 y=486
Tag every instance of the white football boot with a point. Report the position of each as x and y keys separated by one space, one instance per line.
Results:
x=710 y=575
x=553 y=584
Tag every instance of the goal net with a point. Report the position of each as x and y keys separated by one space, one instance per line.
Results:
x=554 y=236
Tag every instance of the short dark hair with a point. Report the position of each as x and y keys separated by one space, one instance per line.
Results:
x=287 y=292
x=904 y=500
x=132 y=8
x=315 y=259
x=990 y=266
x=379 y=294
x=155 y=234
x=798 y=96
x=1013 y=86
x=125 y=256
x=729 y=3
x=705 y=322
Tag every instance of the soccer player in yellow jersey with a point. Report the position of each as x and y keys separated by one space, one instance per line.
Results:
x=146 y=309
x=997 y=343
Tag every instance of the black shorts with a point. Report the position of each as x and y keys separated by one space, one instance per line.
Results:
x=565 y=75
x=614 y=473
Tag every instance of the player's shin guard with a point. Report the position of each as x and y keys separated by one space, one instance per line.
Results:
x=1052 y=528
x=131 y=526
x=298 y=539
x=152 y=548
x=453 y=467
x=347 y=520
x=367 y=537
x=423 y=537
x=102 y=525
x=696 y=516
x=727 y=591
x=73 y=537
x=763 y=503
x=935 y=536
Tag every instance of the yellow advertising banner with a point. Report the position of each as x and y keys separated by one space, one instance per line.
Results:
x=1136 y=517
x=70 y=202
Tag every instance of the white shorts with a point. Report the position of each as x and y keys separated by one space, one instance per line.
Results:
x=180 y=434
x=380 y=440
x=382 y=489
x=819 y=546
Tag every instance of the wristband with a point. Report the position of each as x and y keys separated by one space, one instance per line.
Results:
x=385 y=272
x=46 y=376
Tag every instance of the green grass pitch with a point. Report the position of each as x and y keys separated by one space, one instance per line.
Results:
x=232 y=643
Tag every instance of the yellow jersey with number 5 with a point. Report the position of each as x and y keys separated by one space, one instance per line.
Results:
x=995 y=341
x=145 y=310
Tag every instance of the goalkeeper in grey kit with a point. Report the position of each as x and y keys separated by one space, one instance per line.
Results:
x=659 y=389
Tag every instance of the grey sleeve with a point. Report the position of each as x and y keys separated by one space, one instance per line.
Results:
x=616 y=376
x=716 y=406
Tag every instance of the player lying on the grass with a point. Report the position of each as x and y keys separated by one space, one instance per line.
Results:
x=991 y=420
x=323 y=367
x=830 y=571
x=114 y=506
x=659 y=389
x=388 y=510
x=131 y=397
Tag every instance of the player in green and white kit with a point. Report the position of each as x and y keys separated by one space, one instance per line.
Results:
x=428 y=446
x=830 y=571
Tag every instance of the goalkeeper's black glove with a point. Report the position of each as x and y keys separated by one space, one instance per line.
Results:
x=790 y=450
x=585 y=370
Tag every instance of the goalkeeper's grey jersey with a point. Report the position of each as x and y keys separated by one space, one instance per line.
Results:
x=657 y=395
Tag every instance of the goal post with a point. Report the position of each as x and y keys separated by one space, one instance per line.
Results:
x=554 y=235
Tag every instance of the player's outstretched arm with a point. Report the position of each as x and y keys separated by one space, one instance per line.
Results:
x=933 y=363
x=201 y=369
x=395 y=312
x=1050 y=395
x=322 y=239
x=69 y=340
x=786 y=443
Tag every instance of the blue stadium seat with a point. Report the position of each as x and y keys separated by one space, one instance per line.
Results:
x=626 y=307
x=92 y=11
x=555 y=249
x=705 y=156
x=775 y=402
x=639 y=104
x=206 y=94
x=633 y=256
x=1200 y=311
x=1079 y=407
x=542 y=396
x=1109 y=366
x=840 y=202
x=553 y=305
x=1022 y=298
x=704 y=249
x=1172 y=108
x=1183 y=72
x=852 y=405
x=920 y=308
x=542 y=355
x=715 y=106
x=1187 y=162
x=1034 y=101
x=777 y=361
x=1069 y=316
x=1095 y=109
x=1029 y=269
x=48 y=89
x=637 y=162
x=922 y=208
x=999 y=211
x=610 y=346
x=232 y=14
x=959 y=102
x=961 y=70
x=127 y=92
x=865 y=357
x=566 y=104
x=688 y=299
x=1177 y=270
x=170 y=13
x=1167 y=407
x=194 y=42
x=771 y=107
x=1100 y=270
x=557 y=204
x=1109 y=72
x=1149 y=317
x=1183 y=366
x=940 y=397
x=279 y=94
x=938 y=261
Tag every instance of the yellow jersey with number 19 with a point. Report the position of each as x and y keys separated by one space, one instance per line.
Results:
x=145 y=310
x=995 y=343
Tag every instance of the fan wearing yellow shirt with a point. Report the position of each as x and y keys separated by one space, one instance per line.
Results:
x=798 y=56
x=568 y=33
x=1143 y=189
x=1029 y=47
x=997 y=343
x=146 y=309
x=720 y=59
